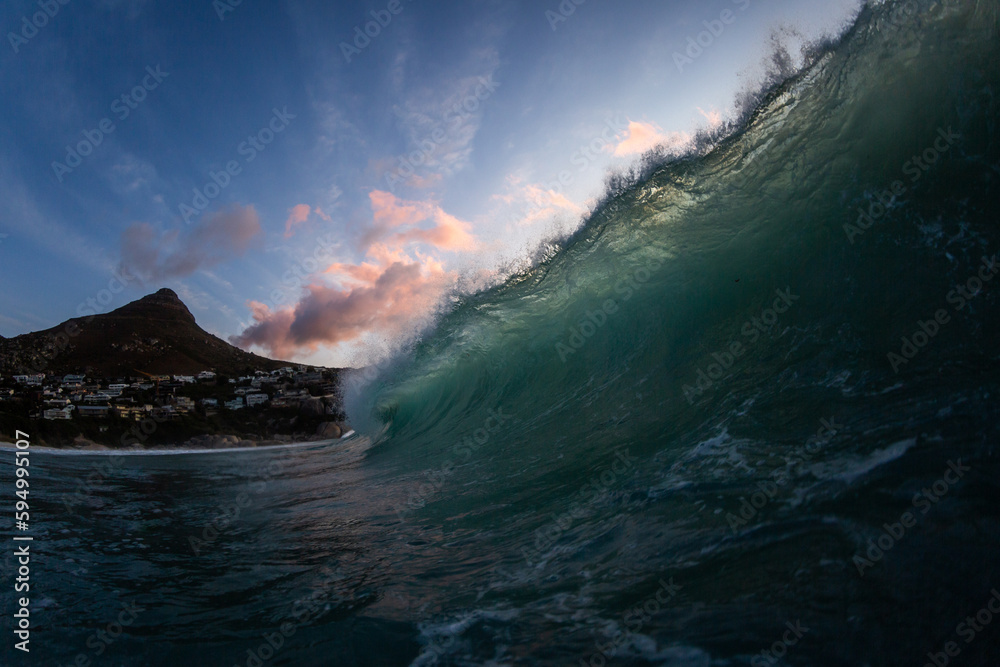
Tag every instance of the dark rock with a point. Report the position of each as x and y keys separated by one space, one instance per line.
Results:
x=329 y=430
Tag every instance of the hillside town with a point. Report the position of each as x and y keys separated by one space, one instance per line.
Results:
x=291 y=390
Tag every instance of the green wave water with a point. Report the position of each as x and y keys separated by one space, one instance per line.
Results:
x=747 y=413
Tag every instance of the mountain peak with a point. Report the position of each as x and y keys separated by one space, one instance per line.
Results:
x=162 y=305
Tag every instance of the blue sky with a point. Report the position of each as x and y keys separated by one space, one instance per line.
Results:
x=309 y=192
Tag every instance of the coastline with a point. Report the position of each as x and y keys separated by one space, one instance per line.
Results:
x=219 y=444
x=178 y=435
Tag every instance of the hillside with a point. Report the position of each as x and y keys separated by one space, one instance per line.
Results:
x=156 y=334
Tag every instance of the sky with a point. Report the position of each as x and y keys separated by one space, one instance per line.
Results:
x=312 y=178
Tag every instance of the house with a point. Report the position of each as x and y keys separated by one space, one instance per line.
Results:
x=164 y=414
x=128 y=412
x=256 y=399
x=118 y=387
x=184 y=404
x=184 y=379
x=205 y=375
x=210 y=402
x=235 y=404
x=92 y=410
x=53 y=414
x=74 y=379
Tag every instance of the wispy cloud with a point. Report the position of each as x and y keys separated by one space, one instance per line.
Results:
x=296 y=216
x=220 y=238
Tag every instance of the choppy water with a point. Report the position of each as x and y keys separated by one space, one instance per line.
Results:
x=674 y=442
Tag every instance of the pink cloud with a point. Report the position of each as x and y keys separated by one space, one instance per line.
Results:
x=714 y=117
x=392 y=299
x=642 y=137
x=391 y=214
x=297 y=216
x=540 y=203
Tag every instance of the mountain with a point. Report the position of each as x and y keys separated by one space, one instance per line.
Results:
x=156 y=334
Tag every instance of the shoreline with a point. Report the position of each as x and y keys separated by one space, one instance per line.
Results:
x=328 y=431
x=183 y=448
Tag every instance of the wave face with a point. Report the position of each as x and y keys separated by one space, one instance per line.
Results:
x=709 y=322
x=691 y=436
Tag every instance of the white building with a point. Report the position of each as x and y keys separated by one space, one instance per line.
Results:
x=235 y=404
x=53 y=414
x=206 y=375
x=256 y=399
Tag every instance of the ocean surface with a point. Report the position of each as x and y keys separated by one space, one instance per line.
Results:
x=748 y=413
